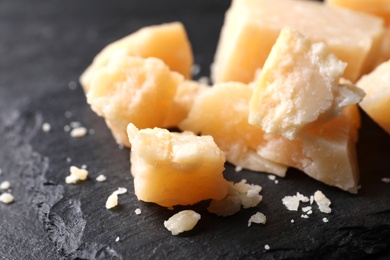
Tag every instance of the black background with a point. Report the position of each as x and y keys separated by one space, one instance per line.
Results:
x=44 y=46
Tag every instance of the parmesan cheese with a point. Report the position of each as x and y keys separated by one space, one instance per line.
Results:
x=78 y=132
x=76 y=174
x=5 y=185
x=6 y=198
x=138 y=211
x=101 y=178
x=258 y=218
x=46 y=127
x=183 y=221
x=323 y=202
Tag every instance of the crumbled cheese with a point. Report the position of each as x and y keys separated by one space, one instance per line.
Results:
x=239 y=194
x=238 y=168
x=66 y=128
x=91 y=131
x=46 y=127
x=117 y=239
x=84 y=166
x=137 y=211
x=258 y=218
x=76 y=174
x=68 y=114
x=385 y=180
x=120 y=191
x=204 y=80
x=309 y=212
x=325 y=220
x=267 y=247
x=195 y=70
x=183 y=221
x=78 y=132
x=75 y=124
x=272 y=177
x=306 y=209
x=6 y=198
x=5 y=185
x=72 y=85
x=302 y=198
x=304 y=216
x=292 y=221
x=311 y=199
x=112 y=201
x=322 y=202
x=101 y=178
x=276 y=181
x=291 y=202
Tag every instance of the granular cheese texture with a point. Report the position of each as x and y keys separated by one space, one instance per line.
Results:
x=239 y=194
x=78 y=132
x=258 y=218
x=46 y=127
x=183 y=221
x=76 y=175
x=292 y=202
x=322 y=202
x=101 y=178
x=6 y=198
x=5 y=185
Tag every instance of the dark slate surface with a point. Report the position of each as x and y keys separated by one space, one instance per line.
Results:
x=45 y=45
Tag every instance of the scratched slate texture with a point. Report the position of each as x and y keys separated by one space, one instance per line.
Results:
x=44 y=46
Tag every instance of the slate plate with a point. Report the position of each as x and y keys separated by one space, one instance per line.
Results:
x=45 y=45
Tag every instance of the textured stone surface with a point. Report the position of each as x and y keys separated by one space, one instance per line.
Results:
x=47 y=44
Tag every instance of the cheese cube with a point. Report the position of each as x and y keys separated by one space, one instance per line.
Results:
x=175 y=168
x=133 y=90
x=222 y=112
x=168 y=42
x=299 y=86
x=376 y=103
x=252 y=27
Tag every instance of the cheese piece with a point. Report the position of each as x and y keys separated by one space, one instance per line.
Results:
x=299 y=86
x=252 y=26
x=222 y=112
x=133 y=90
x=175 y=168
x=168 y=42
x=376 y=103
x=182 y=221
x=326 y=152
x=379 y=8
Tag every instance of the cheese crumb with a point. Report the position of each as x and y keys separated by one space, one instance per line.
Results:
x=238 y=168
x=5 y=185
x=276 y=181
x=101 y=178
x=292 y=221
x=117 y=239
x=258 y=218
x=6 y=198
x=78 y=132
x=84 y=166
x=46 y=127
x=272 y=177
x=75 y=124
x=311 y=199
x=120 y=191
x=112 y=201
x=267 y=247
x=304 y=216
x=183 y=221
x=309 y=212
x=325 y=220
x=306 y=209
x=322 y=202
x=385 y=180
x=137 y=211
x=76 y=174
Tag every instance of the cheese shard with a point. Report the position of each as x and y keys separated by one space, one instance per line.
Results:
x=168 y=42
x=222 y=112
x=175 y=168
x=133 y=90
x=299 y=86
x=326 y=152
x=376 y=103
x=252 y=26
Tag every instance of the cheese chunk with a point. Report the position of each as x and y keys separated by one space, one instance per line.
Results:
x=376 y=103
x=252 y=26
x=222 y=112
x=168 y=42
x=299 y=86
x=133 y=90
x=326 y=152
x=175 y=168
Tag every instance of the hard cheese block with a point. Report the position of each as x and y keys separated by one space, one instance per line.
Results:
x=175 y=168
x=252 y=26
x=168 y=42
x=299 y=86
x=376 y=103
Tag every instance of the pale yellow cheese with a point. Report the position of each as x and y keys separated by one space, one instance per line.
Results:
x=175 y=168
x=133 y=90
x=299 y=86
x=222 y=112
x=376 y=103
x=252 y=27
x=168 y=42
